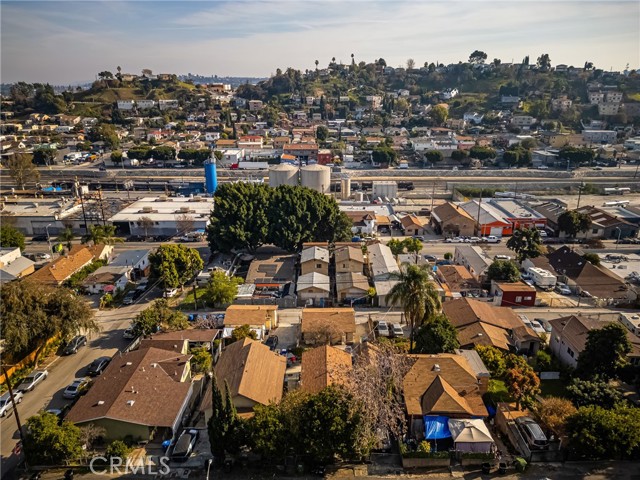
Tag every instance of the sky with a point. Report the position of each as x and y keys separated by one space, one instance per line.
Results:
x=63 y=42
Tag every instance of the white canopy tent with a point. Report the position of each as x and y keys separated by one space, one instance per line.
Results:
x=470 y=435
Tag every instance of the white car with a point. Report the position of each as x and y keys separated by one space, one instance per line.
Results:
x=30 y=382
x=491 y=239
x=454 y=240
x=396 y=330
x=562 y=289
x=383 y=329
x=5 y=402
x=537 y=327
x=170 y=292
x=502 y=257
x=475 y=239
x=543 y=233
x=74 y=389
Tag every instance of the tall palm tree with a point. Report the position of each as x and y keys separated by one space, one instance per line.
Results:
x=101 y=234
x=67 y=236
x=417 y=295
x=109 y=235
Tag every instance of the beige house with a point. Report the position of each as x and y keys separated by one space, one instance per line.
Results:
x=256 y=316
x=351 y=286
x=314 y=259
x=349 y=259
x=412 y=225
x=314 y=288
x=322 y=326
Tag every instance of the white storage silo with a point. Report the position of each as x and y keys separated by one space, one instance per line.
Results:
x=283 y=174
x=345 y=188
x=316 y=177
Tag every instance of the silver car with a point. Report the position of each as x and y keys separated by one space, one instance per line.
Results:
x=30 y=382
x=5 y=402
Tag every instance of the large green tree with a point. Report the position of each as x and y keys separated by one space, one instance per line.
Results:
x=222 y=289
x=416 y=294
x=594 y=391
x=159 y=316
x=526 y=243
x=605 y=353
x=33 y=313
x=174 y=264
x=226 y=429
x=396 y=246
x=48 y=442
x=439 y=114
x=437 y=336
x=11 y=237
x=573 y=222
x=22 y=169
x=503 y=271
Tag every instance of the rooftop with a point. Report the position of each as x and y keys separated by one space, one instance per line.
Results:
x=165 y=209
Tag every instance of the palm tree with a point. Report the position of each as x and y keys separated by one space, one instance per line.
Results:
x=67 y=236
x=317 y=62
x=109 y=235
x=417 y=295
x=101 y=234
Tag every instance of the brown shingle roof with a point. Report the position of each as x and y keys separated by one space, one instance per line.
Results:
x=515 y=287
x=238 y=315
x=342 y=319
x=252 y=371
x=349 y=253
x=142 y=387
x=459 y=377
x=324 y=366
x=480 y=333
x=62 y=268
x=347 y=280
x=458 y=278
x=442 y=398
x=411 y=220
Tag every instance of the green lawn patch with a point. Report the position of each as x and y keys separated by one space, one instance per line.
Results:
x=498 y=392
x=188 y=304
x=553 y=388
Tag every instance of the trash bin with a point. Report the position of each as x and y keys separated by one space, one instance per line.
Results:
x=68 y=475
x=486 y=467
x=502 y=468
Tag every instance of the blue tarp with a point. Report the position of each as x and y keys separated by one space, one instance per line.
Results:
x=436 y=427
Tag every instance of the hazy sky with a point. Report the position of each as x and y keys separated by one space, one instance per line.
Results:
x=66 y=41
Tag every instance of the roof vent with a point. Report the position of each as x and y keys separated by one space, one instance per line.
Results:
x=154 y=365
x=128 y=364
x=436 y=368
x=131 y=402
x=100 y=402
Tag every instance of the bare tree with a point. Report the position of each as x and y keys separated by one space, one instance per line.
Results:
x=376 y=382
x=411 y=64
x=184 y=223
x=22 y=169
x=146 y=223
x=90 y=433
x=325 y=334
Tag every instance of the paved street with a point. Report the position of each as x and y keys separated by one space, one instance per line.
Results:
x=62 y=371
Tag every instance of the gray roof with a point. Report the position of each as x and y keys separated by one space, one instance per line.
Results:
x=18 y=266
x=129 y=258
x=314 y=279
x=475 y=257
x=314 y=253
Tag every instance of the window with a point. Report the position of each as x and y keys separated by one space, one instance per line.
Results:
x=594 y=231
x=518 y=299
x=318 y=265
x=527 y=298
x=344 y=265
x=570 y=352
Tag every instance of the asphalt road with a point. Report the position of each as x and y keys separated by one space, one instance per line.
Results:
x=63 y=370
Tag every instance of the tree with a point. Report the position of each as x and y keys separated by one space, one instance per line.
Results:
x=544 y=62
x=322 y=133
x=22 y=169
x=11 y=237
x=493 y=358
x=175 y=264
x=553 y=412
x=573 y=222
x=605 y=352
x=146 y=223
x=67 y=236
x=32 y=313
x=158 y=316
x=411 y=63
x=242 y=332
x=222 y=289
x=47 y=442
x=523 y=384
x=201 y=360
x=413 y=245
x=44 y=156
x=118 y=449
x=477 y=57
x=448 y=256
x=106 y=133
x=526 y=243
x=482 y=153
x=184 y=223
x=396 y=246
x=224 y=425
x=596 y=391
x=101 y=234
x=384 y=155
x=439 y=114
x=592 y=258
x=437 y=336
x=415 y=292
x=577 y=155
x=116 y=156
x=503 y=271
x=459 y=155
x=433 y=156
x=597 y=433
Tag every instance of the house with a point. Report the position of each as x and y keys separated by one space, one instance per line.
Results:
x=314 y=288
x=450 y=219
x=259 y=317
x=555 y=139
x=352 y=287
x=606 y=225
x=363 y=222
x=457 y=281
x=322 y=326
x=107 y=279
x=168 y=104
x=181 y=341
x=412 y=225
x=479 y=323
x=518 y=214
x=141 y=395
x=254 y=373
x=561 y=104
x=126 y=104
x=599 y=136
x=136 y=260
x=349 y=259
x=324 y=366
x=59 y=270
x=490 y=220
x=443 y=385
x=383 y=269
x=13 y=265
x=551 y=211
x=314 y=259
x=517 y=294
x=569 y=337
x=474 y=259
x=474 y=117
x=271 y=270
x=449 y=93
x=522 y=120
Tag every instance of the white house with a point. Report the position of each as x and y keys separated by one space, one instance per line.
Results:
x=474 y=117
x=145 y=104
x=107 y=279
x=126 y=104
x=231 y=157
x=255 y=105
x=449 y=93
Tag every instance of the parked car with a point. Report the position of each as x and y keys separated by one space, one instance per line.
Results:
x=492 y=239
x=129 y=334
x=543 y=233
x=98 y=366
x=431 y=258
x=545 y=324
x=562 y=289
x=183 y=447
x=475 y=239
x=419 y=237
x=129 y=298
x=532 y=433
x=6 y=405
x=75 y=388
x=454 y=240
x=383 y=329
x=39 y=238
x=74 y=345
x=502 y=257
x=272 y=342
x=30 y=382
x=170 y=292
x=43 y=256
x=539 y=329
x=396 y=330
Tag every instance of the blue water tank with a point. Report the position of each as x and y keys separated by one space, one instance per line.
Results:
x=210 y=176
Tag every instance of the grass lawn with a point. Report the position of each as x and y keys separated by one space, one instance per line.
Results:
x=188 y=303
x=634 y=96
x=498 y=391
x=553 y=388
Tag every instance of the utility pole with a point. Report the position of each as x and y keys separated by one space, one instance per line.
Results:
x=433 y=192
x=15 y=408
x=580 y=188
x=104 y=223
x=478 y=219
x=84 y=213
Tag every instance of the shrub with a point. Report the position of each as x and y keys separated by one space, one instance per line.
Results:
x=424 y=447
x=118 y=449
